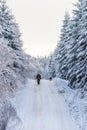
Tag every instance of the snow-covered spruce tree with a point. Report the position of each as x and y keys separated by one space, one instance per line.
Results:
x=77 y=63
x=11 y=65
x=51 y=67
x=63 y=47
x=56 y=59
x=11 y=33
x=46 y=70
x=10 y=29
x=72 y=50
x=81 y=65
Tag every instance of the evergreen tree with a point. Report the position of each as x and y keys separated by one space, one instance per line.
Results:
x=11 y=34
x=63 y=47
x=51 y=67
x=72 y=52
x=70 y=55
x=81 y=66
x=10 y=29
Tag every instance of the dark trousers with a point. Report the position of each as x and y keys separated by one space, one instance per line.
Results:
x=38 y=81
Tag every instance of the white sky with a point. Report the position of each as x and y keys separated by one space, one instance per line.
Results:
x=40 y=22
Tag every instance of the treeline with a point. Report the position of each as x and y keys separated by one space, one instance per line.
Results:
x=69 y=60
x=13 y=61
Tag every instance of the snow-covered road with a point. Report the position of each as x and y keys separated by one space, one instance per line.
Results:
x=40 y=107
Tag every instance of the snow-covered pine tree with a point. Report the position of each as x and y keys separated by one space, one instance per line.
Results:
x=81 y=65
x=51 y=66
x=11 y=34
x=10 y=29
x=72 y=51
x=62 y=47
x=56 y=59
x=77 y=62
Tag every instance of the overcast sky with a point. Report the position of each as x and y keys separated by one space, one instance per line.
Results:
x=40 y=22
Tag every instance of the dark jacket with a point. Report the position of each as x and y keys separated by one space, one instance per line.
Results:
x=38 y=77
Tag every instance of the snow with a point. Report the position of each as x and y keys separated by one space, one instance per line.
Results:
x=76 y=100
x=41 y=107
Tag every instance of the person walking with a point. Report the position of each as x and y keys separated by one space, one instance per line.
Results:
x=38 y=77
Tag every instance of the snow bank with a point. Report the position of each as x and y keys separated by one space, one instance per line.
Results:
x=76 y=100
x=10 y=81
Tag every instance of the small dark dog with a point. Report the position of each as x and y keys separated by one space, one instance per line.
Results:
x=50 y=78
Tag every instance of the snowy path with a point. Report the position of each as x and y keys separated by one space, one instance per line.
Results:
x=42 y=108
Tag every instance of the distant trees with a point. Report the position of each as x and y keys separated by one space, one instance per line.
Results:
x=51 y=67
